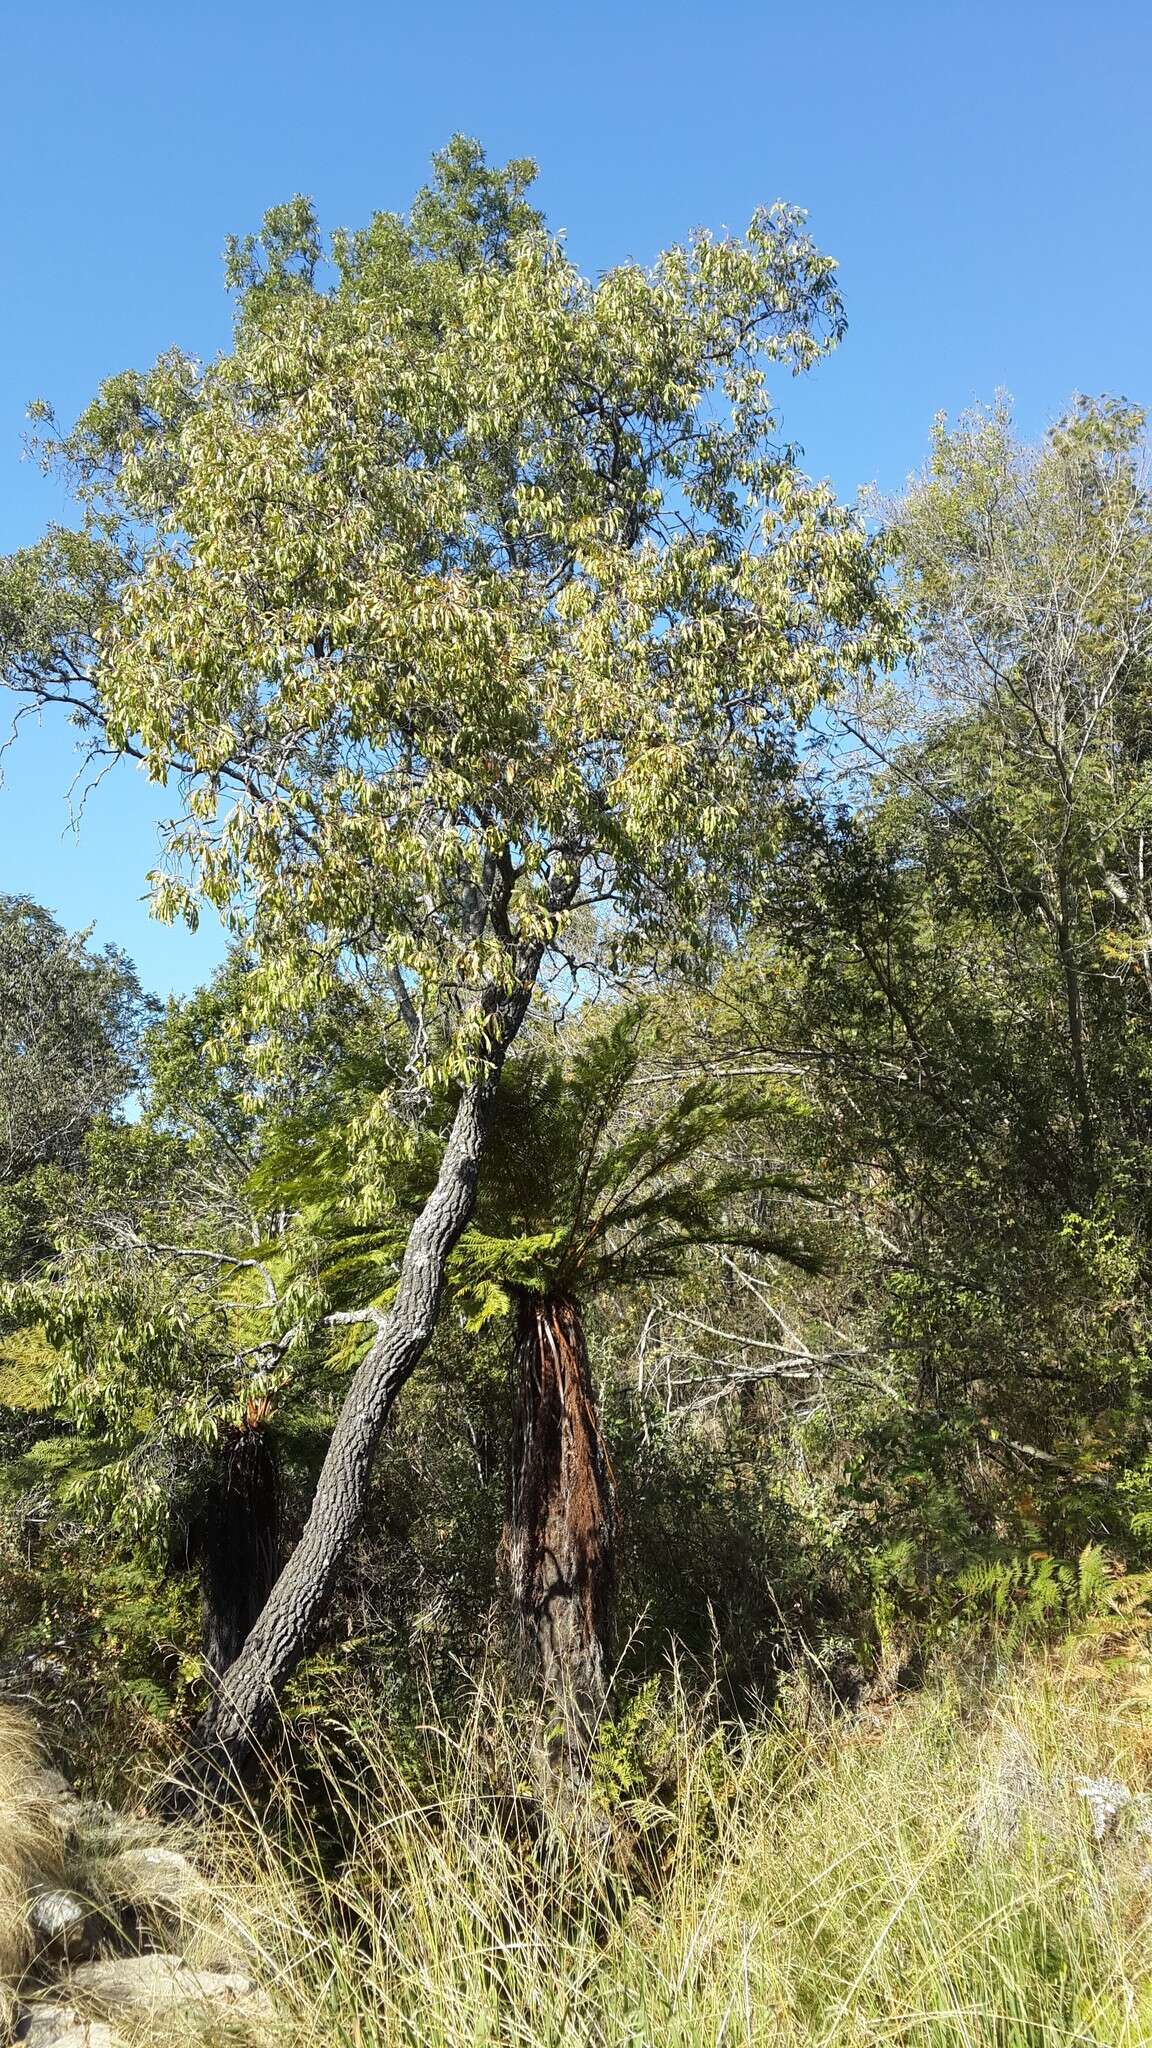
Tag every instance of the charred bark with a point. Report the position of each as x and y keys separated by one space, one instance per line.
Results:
x=560 y=1536
x=235 y=1539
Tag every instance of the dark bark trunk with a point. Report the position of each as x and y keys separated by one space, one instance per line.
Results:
x=236 y=1541
x=245 y=1702
x=560 y=1537
x=1075 y=1009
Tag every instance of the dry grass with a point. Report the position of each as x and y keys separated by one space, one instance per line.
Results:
x=31 y=1840
x=933 y=1882
x=928 y=1880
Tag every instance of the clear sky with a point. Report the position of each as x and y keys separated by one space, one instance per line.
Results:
x=982 y=171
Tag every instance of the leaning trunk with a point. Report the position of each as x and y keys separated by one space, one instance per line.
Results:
x=245 y=1702
x=236 y=1540
x=561 y=1529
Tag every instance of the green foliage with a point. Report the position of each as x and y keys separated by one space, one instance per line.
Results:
x=604 y=1178
x=101 y=1642
x=70 y=1020
x=954 y=969
x=475 y=606
x=1028 y=1596
x=499 y=647
x=462 y=591
x=621 y=1762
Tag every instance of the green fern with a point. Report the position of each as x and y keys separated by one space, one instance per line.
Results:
x=1025 y=1595
x=585 y=1187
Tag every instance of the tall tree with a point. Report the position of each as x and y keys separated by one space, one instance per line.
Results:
x=459 y=593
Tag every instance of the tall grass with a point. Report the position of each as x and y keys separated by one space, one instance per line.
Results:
x=31 y=1842
x=930 y=1880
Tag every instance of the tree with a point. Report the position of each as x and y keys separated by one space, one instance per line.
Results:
x=137 y=1236
x=70 y=1024
x=70 y=1021
x=234 y=1536
x=587 y=1194
x=597 y=1178
x=160 y=1298
x=958 y=968
x=460 y=593
x=1027 y=573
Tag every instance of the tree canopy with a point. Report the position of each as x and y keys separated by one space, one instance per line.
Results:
x=461 y=590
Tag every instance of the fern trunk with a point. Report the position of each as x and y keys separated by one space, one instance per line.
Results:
x=561 y=1530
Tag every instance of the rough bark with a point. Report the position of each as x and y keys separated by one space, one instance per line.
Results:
x=245 y=1702
x=560 y=1537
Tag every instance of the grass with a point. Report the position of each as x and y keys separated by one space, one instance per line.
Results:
x=929 y=1878
x=933 y=1880
x=30 y=1844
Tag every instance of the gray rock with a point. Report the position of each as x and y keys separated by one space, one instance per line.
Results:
x=53 y=1788
x=60 y=2026
x=158 y=1983
x=55 y=1913
x=59 y=1919
x=152 y=1877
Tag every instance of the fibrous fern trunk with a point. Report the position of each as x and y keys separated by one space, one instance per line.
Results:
x=561 y=1531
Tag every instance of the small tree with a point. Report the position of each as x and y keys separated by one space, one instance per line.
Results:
x=70 y=1024
x=459 y=593
x=150 y=1289
x=587 y=1195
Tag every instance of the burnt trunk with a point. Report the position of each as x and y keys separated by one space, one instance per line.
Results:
x=560 y=1536
x=236 y=1541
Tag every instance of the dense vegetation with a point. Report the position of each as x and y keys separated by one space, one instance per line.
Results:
x=686 y=1032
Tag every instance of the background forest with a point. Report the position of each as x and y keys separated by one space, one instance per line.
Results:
x=635 y=1269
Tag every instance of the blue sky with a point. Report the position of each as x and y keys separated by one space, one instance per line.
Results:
x=981 y=171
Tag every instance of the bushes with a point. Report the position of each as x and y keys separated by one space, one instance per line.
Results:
x=95 y=1639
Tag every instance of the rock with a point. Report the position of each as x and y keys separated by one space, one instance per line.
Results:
x=152 y=1877
x=53 y=1788
x=159 y=1983
x=1107 y=1798
x=155 y=1892
x=55 y=1914
x=60 y=2026
x=60 y=1921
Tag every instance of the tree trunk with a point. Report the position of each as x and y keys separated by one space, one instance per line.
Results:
x=245 y=1701
x=561 y=1529
x=236 y=1540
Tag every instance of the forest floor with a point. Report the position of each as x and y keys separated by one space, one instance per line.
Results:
x=969 y=1866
